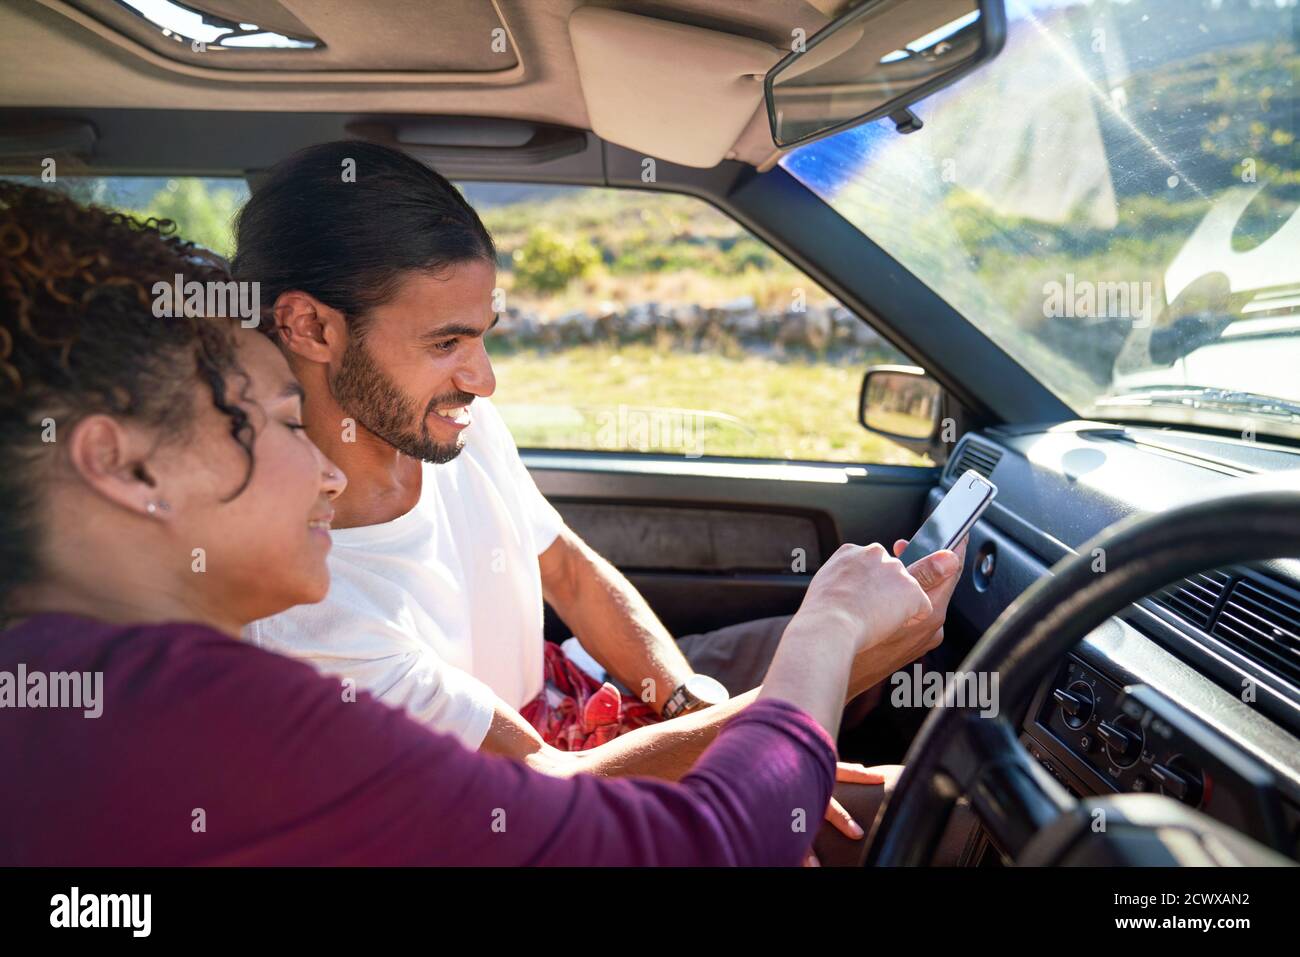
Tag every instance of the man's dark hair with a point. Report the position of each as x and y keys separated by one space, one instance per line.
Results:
x=346 y=232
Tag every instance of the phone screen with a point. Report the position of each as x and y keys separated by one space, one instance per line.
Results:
x=953 y=517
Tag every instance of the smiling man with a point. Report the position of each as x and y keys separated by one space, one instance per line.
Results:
x=381 y=278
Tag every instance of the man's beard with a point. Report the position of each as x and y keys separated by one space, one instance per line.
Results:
x=364 y=392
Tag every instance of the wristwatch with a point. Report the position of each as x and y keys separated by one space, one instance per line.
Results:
x=698 y=691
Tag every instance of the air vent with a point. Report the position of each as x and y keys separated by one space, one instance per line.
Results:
x=1195 y=599
x=975 y=455
x=1262 y=622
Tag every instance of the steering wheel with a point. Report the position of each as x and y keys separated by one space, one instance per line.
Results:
x=957 y=752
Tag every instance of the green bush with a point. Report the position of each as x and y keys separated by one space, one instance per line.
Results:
x=202 y=214
x=546 y=262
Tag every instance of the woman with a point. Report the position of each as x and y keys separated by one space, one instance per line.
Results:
x=157 y=493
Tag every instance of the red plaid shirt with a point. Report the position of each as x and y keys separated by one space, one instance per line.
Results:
x=575 y=713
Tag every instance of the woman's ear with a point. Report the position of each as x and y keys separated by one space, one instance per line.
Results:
x=307 y=327
x=110 y=458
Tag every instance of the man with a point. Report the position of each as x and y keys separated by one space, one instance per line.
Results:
x=382 y=281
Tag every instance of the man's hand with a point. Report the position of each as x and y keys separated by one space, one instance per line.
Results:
x=846 y=772
x=840 y=818
x=937 y=575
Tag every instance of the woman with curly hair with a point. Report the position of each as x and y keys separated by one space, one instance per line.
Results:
x=157 y=493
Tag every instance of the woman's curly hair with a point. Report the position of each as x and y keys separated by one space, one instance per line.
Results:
x=78 y=336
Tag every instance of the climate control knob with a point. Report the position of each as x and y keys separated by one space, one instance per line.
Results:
x=1077 y=704
x=1124 y=741
x=1180 y=779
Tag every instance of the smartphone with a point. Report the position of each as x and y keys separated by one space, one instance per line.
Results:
x=948 y=524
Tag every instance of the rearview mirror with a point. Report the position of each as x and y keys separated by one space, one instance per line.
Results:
x=900 y=402
x=876 y=60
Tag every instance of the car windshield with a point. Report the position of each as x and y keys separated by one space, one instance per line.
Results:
x=1112 y=200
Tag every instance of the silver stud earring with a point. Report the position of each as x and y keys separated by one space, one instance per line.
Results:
x=153 y=508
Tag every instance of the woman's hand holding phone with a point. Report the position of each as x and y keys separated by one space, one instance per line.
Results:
x=857 y=602
x=863 y=594
x=937 y=574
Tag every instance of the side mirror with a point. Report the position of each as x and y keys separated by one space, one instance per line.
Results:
x=901 y=403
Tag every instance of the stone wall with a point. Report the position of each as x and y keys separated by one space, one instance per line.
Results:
x=817 y=329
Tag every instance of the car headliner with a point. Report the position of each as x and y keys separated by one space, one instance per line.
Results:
x=61 y=53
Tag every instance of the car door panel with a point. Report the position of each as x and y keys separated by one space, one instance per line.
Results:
x=710 y=542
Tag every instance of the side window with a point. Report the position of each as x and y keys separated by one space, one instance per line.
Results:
x=651 y=322
x=203 y=209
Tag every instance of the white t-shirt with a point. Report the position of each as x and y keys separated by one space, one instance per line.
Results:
x=440 y=610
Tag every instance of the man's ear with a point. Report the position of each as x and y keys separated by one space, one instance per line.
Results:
x=110 y=458
x=307 y=327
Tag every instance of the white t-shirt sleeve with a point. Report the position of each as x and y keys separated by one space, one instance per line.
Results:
x=540 y=514
x=382 y=659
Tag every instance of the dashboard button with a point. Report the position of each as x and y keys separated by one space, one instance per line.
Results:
x=985 y=565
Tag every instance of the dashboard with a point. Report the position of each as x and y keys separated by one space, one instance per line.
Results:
x=1193 y=692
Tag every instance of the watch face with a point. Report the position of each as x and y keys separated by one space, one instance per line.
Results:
x=706 y=690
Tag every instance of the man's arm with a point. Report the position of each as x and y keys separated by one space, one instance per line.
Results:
x=611 y=619
x=668 y=750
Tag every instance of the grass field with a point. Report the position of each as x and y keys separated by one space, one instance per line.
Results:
x=639 y=398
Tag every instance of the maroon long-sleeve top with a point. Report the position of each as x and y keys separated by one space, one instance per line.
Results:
x=210 y=751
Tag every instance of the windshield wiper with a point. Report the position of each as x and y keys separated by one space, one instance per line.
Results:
x=1200 y=397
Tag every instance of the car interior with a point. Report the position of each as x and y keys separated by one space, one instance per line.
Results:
x=1134 y=585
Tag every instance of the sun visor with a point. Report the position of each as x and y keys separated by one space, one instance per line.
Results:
x=665 y=89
